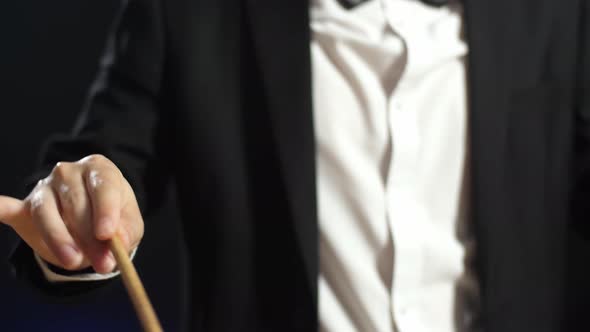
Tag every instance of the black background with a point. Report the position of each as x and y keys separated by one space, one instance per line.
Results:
x=48 y=58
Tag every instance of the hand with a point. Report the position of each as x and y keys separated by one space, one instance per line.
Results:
x=70 y=216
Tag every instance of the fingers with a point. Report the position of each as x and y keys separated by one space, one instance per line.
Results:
x=76 y=209
x=11 y=210
x=104 y=189
x=70 y=216
x=17 y=215
x=132 y=227
x=45 y=215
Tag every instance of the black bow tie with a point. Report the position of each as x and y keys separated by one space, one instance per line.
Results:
x=348 y=4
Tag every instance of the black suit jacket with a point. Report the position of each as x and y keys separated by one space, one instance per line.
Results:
x=215 y=94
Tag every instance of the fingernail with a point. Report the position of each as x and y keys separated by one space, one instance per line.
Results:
x=70 y=255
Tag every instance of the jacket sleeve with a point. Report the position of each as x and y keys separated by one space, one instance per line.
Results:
x=122 y=119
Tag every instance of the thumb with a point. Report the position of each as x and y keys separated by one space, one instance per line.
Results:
x=11 y=210
x=15 y=213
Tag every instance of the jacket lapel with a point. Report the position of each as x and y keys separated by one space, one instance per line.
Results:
x=486 y=37
x=281 y=35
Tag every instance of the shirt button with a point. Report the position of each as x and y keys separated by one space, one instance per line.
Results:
x=403 y=311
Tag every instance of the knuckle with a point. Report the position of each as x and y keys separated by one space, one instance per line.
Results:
x=61 y=170
x=94 y=159
x=95 y=179
x=41 y=183
x=36 y=202
x=105 y=181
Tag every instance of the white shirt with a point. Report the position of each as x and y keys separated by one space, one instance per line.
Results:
x=389 y=87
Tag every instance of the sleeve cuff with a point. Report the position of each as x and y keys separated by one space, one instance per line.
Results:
x=55 y=277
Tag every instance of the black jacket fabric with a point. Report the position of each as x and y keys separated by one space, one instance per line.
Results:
x=216 y=96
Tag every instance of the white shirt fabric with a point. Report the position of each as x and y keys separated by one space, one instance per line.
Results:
x=389 y=87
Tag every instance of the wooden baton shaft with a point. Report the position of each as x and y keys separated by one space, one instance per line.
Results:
x=143 y=307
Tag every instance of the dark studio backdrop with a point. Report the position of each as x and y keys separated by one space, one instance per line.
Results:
x=48 y=57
